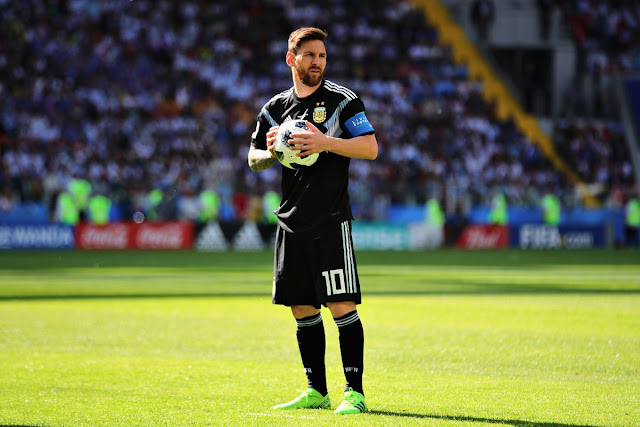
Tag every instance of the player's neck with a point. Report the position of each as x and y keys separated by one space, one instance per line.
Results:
x=302 y=90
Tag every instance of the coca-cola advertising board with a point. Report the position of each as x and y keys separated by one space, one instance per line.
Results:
x=160 y=235
x=110 y=236
x=484 y=237
x=163 y=235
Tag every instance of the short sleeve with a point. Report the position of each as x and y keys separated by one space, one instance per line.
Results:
x=259 y=136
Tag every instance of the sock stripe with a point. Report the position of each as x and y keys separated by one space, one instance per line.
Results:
x=309 y=321
x=347 y=319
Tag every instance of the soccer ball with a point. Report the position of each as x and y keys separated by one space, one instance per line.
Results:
x=284 y=153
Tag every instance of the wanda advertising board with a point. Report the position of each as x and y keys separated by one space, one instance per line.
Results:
x=160 y=235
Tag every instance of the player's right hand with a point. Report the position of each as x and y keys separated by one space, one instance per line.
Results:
x=271 y=139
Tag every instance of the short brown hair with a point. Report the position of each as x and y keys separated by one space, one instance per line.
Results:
x=304 y=34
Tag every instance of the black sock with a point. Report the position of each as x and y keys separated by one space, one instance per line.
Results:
x=352 y=349
x=312 y=344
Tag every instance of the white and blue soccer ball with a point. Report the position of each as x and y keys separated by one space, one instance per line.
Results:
x=284 y=153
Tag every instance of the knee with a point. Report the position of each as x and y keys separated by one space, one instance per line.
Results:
x=301 y=311
x=341 y=308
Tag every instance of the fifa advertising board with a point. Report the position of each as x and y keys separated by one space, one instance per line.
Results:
x=537 y=236
x=159 y=235
x=532 y=236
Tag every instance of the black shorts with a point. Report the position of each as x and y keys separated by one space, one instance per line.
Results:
x=315 y=268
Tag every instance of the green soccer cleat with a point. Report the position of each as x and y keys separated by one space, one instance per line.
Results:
x=309 y=399
x=353 y=403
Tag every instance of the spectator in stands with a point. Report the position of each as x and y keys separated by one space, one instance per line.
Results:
x=98 y=209
x=270 y=202
x=209 y=206
x=66 y=210
x=482 y=16
x=498 y=214
x=545 y=15
x=151 y=204
x=607 y=32
x=551 y=209
x=632 y=222
x=433 y=213
x=597 y=152
x=6 y=200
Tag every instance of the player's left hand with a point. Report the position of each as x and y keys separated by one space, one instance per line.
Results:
x=313 y=141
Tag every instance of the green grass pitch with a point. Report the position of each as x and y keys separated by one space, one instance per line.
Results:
x=453 y=338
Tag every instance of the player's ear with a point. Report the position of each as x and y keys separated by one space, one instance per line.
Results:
x=290 y=58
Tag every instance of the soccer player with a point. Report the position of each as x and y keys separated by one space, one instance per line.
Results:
x=314 y=260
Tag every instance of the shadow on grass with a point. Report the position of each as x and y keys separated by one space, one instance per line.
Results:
x=52 y=259
x=430 y=291
x=515 y=423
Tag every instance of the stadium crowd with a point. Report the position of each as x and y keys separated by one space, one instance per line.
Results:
x=598 y=152
x=607 y=33
x=607 y=39
x=141 y=95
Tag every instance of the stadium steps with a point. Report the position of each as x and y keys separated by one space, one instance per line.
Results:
x=494 y=90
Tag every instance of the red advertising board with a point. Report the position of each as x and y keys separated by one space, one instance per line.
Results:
x=484 y=237
x=110 y=236
x=163 y=235
x=160 y=235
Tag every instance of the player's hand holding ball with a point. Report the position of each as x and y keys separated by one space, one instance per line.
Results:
x=291 y=147
x=309 y=142
x=271 y=140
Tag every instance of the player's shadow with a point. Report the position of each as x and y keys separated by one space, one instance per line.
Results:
x=514 y=423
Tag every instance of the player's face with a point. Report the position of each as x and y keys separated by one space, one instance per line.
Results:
x=310 y=62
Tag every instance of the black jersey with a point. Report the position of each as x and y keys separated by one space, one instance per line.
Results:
x=316 y=195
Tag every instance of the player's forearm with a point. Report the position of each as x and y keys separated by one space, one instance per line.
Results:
x=260 y=159
x=360 y=147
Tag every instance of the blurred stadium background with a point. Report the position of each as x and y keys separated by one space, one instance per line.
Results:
x=504 y=123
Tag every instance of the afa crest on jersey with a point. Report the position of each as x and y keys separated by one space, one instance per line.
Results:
x=319 y=113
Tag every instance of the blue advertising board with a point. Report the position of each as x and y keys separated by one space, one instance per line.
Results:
x=49 y=236
x=382 y=236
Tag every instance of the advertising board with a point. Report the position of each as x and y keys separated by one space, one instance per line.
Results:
x=45 y=236
x=160 y=235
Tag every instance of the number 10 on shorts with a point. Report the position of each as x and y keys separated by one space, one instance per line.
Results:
x=334 y=279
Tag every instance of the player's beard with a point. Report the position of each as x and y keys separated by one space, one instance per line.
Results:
x=307 y=78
